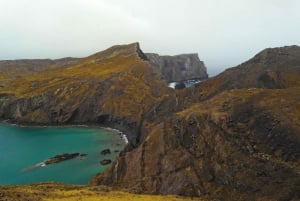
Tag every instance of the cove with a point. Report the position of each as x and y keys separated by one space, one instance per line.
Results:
x=23 y=147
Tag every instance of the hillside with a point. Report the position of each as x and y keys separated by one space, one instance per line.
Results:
x=22 y=67
x=272 y=68
x=116 y=87
x=232 y=137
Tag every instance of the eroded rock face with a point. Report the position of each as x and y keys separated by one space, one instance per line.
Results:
x=116 y=87
x=237 y=143
x=179 y=67
x=226 y=148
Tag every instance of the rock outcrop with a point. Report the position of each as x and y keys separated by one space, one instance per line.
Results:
x=180 y=67
x=105 y=162
x=105 y=152
x=61 y=157
x=232 y=137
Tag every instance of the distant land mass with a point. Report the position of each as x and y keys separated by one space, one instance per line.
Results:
x=235 y=136
x=180 y=67
x=173 y=68
x=24 y=66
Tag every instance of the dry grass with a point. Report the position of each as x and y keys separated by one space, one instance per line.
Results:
x=40 y=82
x=60 y=192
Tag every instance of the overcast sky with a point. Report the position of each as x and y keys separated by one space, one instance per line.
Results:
x=223 y=32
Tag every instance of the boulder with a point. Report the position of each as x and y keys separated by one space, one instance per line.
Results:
x=105 y=162
x=180 y=85
x=105 y=152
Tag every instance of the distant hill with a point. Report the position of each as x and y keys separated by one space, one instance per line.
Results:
x=25 y=66
x=180 y=67
x=272 y=68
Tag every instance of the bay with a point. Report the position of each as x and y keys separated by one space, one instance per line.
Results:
x=21 y=148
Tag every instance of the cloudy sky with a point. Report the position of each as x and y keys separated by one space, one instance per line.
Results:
x=223 y=32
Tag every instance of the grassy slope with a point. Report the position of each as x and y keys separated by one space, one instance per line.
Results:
x=239 y=136
x=116 y=82
x=56 y=78
x=60 y=192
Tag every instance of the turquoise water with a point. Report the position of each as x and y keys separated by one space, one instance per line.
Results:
x=23 y=147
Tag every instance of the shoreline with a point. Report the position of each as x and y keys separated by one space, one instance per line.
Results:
x=112 y=130
x=96 y=129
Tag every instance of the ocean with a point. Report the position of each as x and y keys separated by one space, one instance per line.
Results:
x=23 y=147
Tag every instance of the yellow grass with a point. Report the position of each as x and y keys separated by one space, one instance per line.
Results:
x=61 y=192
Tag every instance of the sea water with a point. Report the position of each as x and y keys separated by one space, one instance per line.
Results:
x=22 y=148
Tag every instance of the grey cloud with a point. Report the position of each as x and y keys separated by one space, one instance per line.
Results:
x=224 y=33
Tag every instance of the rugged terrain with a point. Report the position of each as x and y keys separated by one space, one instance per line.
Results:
x=230 y=137
x=116 y=87
x=233 y=137
x=180 y=67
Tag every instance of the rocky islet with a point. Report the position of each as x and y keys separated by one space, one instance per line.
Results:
x=61 y=157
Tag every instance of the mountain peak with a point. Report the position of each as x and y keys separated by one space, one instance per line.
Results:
x=127 y=50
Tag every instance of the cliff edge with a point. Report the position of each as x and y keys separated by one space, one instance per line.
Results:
x=116 y=87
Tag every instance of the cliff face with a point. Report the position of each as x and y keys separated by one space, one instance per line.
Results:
x=116 y=87
x=180 y=67
x=232 y=137
x=227 y=140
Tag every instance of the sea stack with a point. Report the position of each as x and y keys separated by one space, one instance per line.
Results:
x=180 y=67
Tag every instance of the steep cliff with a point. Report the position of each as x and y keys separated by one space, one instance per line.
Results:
x=116 y=87
x=180 y=67
x=225 y=141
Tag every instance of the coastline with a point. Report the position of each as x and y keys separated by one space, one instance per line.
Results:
x=96 y=130
x=93 y=126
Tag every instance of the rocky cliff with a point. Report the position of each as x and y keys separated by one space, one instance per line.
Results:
x=180 y=67
x=232 y=137
x=116 y=87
